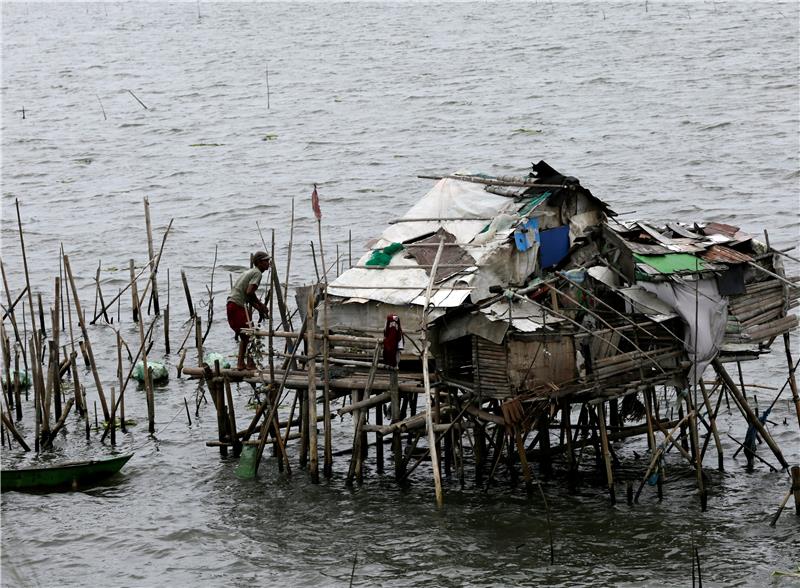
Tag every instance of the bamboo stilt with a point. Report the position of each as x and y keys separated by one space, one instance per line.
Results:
x=237 y=446
x=601 y=419
x=712 y=419
x=792 y=379
x=437 y=480
x=311 y=418
x=751 y=416
x=698 y=462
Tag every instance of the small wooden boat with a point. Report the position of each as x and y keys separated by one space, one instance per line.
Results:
x=63 y=476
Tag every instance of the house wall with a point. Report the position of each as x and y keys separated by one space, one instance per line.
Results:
x=532 y=364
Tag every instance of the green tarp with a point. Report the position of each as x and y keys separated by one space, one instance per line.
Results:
x=672 y=262
x=382 y=257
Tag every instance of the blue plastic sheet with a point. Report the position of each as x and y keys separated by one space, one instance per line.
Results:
x=554 y=246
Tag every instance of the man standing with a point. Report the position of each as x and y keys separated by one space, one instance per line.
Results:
x=242 y=294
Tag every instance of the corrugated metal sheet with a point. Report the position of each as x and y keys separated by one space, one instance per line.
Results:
x=720 y=229
x=491 y=368
x=722 y=254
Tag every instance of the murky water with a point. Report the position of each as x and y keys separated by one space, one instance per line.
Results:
x=674 y=111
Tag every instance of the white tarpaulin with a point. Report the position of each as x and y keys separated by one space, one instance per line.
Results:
x=448 y=199
x=644 y=302
x=527 y=317
x=704 y=312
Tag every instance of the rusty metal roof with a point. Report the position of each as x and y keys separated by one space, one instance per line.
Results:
x=722 y=254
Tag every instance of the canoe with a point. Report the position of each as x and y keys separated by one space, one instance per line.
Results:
x=62 y=476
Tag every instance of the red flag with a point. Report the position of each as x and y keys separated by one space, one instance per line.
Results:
x=315 y=203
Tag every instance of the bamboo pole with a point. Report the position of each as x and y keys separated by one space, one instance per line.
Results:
x=499 y=181
x=792 y=380
x=437 y=480
x=150 y=255
x=654 y=460
x=121 y=399
x=56 y=347
x=289 y=254
x=10 y=311
x=217 y=390
x=13 y=430
x=134 y=299
x=188 y=294
x=113 y=420
x=17 y=396
x=601 y=419
x=750 y=415
x=360 y=416
x=86 y=341
x=270 y=297
x=311 y=419
x=265 y=427
x=237 y=446
x=148 y=384
x=712 y=419
x=27 y=275
x=37 y=396
x=121 y=386
x=99 y=292
x=698 y=461
x=42 y=328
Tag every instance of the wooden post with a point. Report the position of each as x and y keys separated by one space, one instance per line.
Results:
x=56 y=342
x=237 y=445
x=360 y=417
x=99 y=294
x=148 y=383
x=270 y=324
x=134 y=299
x=37 y=404
x=397 y=448
x=10 y=311
x=122 y=425
x=601 y=420
x=28 y=288
x=198 y=338
x=379 y=438
x=42 y=329
x=82 y=323
x=217 y=391
x=166 y=330
x=113 y=419
x=566 y=422
x=76 y=385
x=648 y=405
x=698 y=461
x=151 y=256
x=311 y=423
x=188 y=294
x=796 y=488
x=17 y=396
x=326 y=395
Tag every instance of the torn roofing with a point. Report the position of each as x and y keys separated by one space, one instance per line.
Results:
x=452 y=260
x=544 y=174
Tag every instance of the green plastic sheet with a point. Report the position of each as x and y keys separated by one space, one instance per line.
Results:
x=672 y=262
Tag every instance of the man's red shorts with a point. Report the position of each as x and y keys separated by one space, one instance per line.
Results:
x=237 y=317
